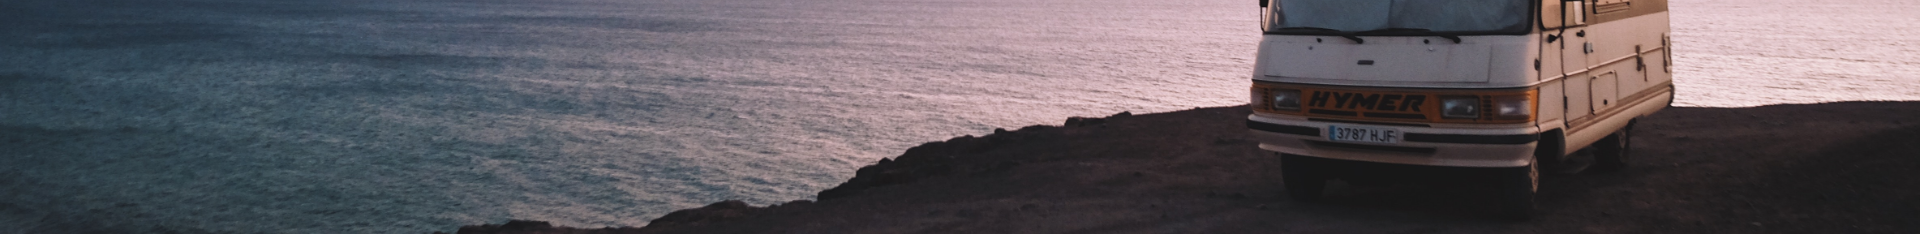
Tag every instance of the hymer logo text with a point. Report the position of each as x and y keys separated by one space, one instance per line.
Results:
x=1364 y=101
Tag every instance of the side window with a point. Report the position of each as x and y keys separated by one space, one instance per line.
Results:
x=1611 y=6
x=1555 y=14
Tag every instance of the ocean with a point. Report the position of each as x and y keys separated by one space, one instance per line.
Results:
x=412 y=116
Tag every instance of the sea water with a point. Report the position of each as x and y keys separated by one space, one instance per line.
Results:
x=279 y=116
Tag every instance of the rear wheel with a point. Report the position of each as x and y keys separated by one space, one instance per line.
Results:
x=1612 y=153
x=1304 y=182
x=1517 y=187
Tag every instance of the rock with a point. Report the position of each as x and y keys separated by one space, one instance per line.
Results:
x=1084 y=121
x=926 y=160
x=512 y=226
x=969 y=144
x=526 y=225
x=718 y=211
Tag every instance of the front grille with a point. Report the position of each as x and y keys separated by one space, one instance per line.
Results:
x=1396 y=116
x=1333 y=112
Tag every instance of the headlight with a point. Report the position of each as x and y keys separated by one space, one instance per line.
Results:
x=1512 y=107
x=1286 y=99
x=1459 y=107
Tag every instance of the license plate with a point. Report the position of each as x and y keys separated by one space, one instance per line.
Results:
x=1363 y=134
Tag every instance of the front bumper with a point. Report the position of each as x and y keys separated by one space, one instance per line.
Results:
x=1421 y=145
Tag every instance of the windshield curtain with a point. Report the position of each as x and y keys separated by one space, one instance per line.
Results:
x=1446 y=16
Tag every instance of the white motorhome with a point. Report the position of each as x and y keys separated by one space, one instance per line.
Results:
x=1518 y=87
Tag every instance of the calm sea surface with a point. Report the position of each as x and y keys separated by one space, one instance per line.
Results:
x=275 y=116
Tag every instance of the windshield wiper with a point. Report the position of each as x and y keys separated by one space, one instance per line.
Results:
x=1335 y=32
x=1420 y=31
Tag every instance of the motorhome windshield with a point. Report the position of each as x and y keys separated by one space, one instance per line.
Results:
x=1388 y=16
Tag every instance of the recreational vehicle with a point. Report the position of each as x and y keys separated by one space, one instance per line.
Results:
x=1512 y=87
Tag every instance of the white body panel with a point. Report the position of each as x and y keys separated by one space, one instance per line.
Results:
x=1479 y=61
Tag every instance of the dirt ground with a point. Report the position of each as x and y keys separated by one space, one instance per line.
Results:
x=1810 y=168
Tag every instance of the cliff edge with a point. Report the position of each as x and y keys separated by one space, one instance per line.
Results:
x=1803 y=168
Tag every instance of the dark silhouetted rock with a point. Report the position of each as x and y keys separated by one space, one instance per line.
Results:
x=1084 y=121
x=535 y=227
x=526 y=225
x=718 y=211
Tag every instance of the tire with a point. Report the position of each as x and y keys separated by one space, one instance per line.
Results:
x=1517 y=188
x=1552 y=161
x=1612 y=154
x=1574 y=163
x=1303 y=181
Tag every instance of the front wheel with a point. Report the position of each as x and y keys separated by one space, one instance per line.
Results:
x=1304 y=181
x=1517 y=187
